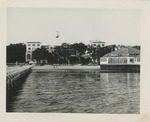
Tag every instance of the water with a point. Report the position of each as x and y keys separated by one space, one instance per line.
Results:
x=78 y=91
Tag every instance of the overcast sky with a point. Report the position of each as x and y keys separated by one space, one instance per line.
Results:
x=113 y=26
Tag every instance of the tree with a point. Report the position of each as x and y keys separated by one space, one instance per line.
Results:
x=50 y=58
x=40 y=54
x=79 y=49
x=61 y=54
x=15 y=53
x=98 y=52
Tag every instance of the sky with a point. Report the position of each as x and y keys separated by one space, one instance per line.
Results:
x=113 y=26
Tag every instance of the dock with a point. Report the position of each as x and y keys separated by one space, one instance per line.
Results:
x=15 y=73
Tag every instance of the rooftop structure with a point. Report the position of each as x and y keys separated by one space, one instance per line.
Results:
x=96 y=43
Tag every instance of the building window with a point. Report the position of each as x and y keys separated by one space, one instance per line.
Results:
x=132 y=60
x=122 y=60
x=29 y=44
x=109 y=60
x=29 y=48
x=103 y=59
x=138 y=59
x=117 y=60
x=28 y=56
x=33 y=44
x=38 y=44
x=98 y=45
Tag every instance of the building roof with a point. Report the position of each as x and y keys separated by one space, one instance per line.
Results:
x=33 y=42
x=96 y=41
x=124 y=52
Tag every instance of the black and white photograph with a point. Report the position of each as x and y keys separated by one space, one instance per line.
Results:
x=73 y=60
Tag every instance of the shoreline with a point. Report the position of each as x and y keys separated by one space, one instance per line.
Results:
x=46 y=67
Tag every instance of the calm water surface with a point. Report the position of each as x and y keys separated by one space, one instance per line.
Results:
x=78 y=91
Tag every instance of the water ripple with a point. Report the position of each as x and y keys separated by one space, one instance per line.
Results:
x=79 y=92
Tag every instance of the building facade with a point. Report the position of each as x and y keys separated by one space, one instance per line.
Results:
x=124 y=59
x=30 y=47
x=50 y=48
x=96 y=43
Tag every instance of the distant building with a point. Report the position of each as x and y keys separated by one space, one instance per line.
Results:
x=50 y=48
x=123 y=59
x=96 y=43
x=65 y=45
x=30 y=47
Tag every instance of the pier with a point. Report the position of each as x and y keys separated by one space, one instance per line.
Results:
x=15 y=73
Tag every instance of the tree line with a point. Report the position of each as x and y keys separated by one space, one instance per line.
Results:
x=15 y=53
x=77 y=53
x=65 y=53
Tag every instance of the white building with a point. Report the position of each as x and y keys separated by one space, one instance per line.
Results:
x=96 y=43
x=30 y=47
x=50 y=48
x=124 y=59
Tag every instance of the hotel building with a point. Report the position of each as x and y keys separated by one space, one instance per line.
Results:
x=30 y=47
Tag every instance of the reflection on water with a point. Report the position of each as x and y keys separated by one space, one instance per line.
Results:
x=79 y=91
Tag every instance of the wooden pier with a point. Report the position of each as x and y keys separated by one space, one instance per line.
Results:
x=15 y=73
